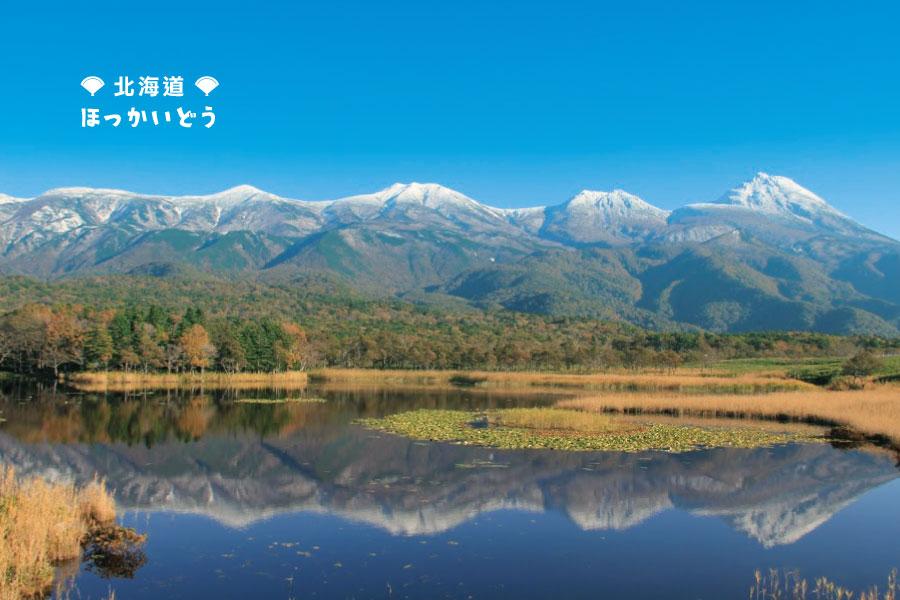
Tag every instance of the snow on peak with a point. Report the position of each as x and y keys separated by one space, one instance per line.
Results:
x=5 y=199
x=616 y=202
x=242 y=190
x=233 y=195
x=431 y=195
x=775 y=194
x=86 y=191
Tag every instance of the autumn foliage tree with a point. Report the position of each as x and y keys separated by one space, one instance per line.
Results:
x=46 y=338
x=294 y=350
x=197 y=347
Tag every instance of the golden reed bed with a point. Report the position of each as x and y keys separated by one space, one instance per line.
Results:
x=41 y=525
x=692 y=381
x=119 y=381
x=874 y=411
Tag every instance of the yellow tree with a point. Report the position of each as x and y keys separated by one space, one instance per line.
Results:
x=63 y=339
x=198 y=350
x=295 y=352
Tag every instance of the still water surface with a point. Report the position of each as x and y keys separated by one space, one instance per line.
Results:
x=295 y=501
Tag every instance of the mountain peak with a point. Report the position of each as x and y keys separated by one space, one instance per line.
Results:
x=86 y=191
x=230 y=198
x=603 y=217
x=428 y=195
x=236 y=194
x=618 y=200
x=425 y=193
x=776 y=194
x=244 y=188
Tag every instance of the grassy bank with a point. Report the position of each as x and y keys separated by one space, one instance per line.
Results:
x=120 y=381
x=43 y=524
x=875 y=411
x=558 y=429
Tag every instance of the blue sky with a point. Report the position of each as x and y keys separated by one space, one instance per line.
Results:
x=514 y=103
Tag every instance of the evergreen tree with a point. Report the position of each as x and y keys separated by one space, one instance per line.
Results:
x=98 y=346
x=231 y=356
x=120 y=332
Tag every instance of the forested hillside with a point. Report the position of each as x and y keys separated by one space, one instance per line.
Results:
x=183 y=324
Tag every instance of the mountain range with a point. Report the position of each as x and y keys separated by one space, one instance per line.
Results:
x=768 y=254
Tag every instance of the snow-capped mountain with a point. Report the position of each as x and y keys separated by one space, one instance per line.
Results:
x=588 y=217
x=781 y=239
x=778 y=195
x=64 y=210
x=770 y=206
x=414 y=201
x=608 y=217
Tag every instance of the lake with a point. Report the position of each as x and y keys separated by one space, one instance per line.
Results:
x=293 y=500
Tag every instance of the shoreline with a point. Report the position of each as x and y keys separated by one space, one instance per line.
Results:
x=873 y=411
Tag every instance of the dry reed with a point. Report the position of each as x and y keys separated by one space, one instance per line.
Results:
x=790 y=585
x=96 y=504
x=874 y=411
x=691 y=382
x=42 y=524
x=120 y=381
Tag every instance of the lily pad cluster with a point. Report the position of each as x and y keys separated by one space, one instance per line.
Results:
x=466 y=427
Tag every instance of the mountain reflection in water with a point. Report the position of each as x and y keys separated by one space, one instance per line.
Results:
x=239 y=463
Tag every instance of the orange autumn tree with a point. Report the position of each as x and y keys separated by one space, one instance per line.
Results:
x=197 y=348
x=294 y=352
x=61 y=336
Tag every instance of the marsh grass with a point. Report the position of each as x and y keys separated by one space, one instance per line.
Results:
x=553 y=429
x=43 y=524
x=774 y=366
x=120 y=381
x=874 y=411
x=790 y=585
x=781 y=366
x=691 y=382
x=96 y=505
